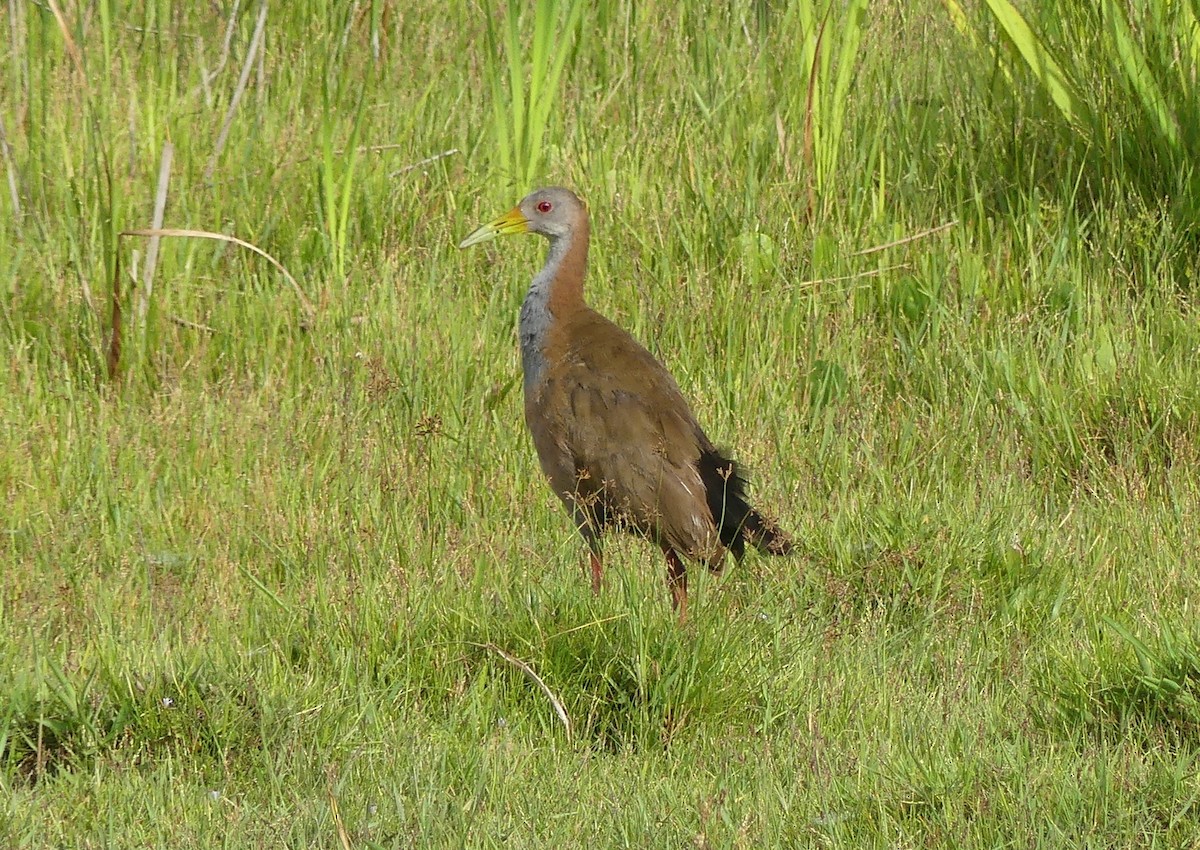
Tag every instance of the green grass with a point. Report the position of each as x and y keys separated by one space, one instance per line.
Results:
x=252 y=588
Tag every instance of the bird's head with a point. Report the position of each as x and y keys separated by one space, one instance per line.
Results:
x=552 y=212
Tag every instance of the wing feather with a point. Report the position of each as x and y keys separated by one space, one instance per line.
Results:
x=610 y=408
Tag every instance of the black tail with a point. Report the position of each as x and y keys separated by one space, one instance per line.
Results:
x=738 y=523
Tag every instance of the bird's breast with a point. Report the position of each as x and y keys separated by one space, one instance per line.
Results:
x=533 y=332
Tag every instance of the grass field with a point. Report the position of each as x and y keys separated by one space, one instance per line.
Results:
x=286 y=576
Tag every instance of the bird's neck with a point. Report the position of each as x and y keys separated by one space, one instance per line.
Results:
x=555 y=293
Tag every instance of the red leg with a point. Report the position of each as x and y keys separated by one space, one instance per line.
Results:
x=597 y=572
x=676 y=582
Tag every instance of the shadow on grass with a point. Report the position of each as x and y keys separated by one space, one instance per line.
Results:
x=626 y=683
x=628 y=677
x=1153 y=697
x=75 y=720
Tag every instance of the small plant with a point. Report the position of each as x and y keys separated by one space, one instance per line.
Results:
x=336 y=167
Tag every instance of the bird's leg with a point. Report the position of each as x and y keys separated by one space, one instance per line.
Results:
x=676 y=582
x=584 y=509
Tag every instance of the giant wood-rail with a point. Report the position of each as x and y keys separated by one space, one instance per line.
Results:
x=612 y=430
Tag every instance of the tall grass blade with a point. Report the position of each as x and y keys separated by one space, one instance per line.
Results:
x=1138 y=75
x=243 y=81
x=343 y=230
x=808 y=144
x=831 y=67
x=548 y=65
x=1190 y=24
x=847 y=66
x=501 y=115
x=160 y=207
x=1049 y=73
x=1145 y=657
x=961 y=22
x=524 y=109
x=305 y=303
x=516 y=87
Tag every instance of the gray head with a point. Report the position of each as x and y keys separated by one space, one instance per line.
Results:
x=553 y=212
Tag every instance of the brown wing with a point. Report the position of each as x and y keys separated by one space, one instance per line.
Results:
x=611 y=426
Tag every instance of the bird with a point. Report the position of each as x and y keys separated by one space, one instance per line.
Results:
x=613 y=432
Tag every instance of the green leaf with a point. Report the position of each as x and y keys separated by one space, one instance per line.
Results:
x=1051 y=75
x=1138 y=75
x=1146 y=658
x=827 y=382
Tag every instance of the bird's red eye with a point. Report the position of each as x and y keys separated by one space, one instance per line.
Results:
x=544 y=206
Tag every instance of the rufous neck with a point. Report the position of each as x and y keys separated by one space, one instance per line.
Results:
x=555 y=293
x=566 y=265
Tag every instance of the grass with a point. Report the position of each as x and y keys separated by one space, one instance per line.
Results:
x=253 y=587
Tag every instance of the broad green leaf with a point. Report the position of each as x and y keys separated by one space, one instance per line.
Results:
x=1138 y=75
x=1051 y=75
x=847 y=64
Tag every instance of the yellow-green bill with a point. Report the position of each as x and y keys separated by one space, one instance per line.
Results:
x=513 y=221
